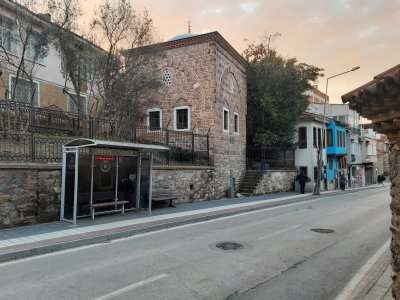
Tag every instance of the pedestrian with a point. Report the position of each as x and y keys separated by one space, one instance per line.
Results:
x=379 y=179
x=302 y=178
x=383 y=179
x=342 y=182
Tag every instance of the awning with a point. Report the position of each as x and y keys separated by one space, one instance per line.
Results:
x=81 y=143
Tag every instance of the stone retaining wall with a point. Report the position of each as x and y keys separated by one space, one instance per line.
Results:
x=191 y=184
x=276 y=181
x=29 y=194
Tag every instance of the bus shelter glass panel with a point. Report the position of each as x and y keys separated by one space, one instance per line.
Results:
x=127 y=174
x=144 y=182
x=69 y=186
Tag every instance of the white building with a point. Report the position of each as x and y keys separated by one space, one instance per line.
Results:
x=309 y=130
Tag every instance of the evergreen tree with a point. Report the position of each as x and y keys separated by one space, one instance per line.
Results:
x=276 y=96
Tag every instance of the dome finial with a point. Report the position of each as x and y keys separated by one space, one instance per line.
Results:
x=189 y=27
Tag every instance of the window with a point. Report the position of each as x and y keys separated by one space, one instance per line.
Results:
x=342 y=163
x=166 y=77
x=236 y=122
x=329 y=137
x=24 y=90
x=83 y=70
x=320 y=137
x=302 y=137
x=72 y=105
x=355 y=147
x=314 y=131
x=154 y=119
x=33 y=47
x=182 y=118
x=340 y=138
x=231 y=84
x=225 y=120
x=8 y=39
x=317 y=137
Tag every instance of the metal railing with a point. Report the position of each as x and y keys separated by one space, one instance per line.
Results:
x=186 y=147
x=16 y=147
x=37 y=134
x=269 y=158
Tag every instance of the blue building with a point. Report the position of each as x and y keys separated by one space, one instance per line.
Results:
x=336 y=153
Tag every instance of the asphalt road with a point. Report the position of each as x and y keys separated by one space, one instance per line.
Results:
x=281 y=257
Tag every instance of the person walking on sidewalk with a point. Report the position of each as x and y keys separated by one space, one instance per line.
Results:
x=302 y=178
x=381 y=179
x=342 y=182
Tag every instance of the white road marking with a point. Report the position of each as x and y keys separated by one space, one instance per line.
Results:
x=355 y=281
x=131 y=287
x=278 y=232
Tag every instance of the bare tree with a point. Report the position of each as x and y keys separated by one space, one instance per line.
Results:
x=24 y=44
x=127 y=72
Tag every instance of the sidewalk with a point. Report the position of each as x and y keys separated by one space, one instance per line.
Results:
x=48 y=237
x=382 y=288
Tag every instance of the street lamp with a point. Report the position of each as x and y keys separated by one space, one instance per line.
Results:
x=317 y=188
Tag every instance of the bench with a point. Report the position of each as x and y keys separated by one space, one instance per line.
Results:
x=93 y=207
x=163 y=196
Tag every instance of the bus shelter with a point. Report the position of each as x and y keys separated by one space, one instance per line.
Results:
x=97 y=171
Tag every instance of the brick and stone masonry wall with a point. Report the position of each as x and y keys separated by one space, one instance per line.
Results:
x=190 y=184
x=276 y=181
x=229 y=148
x=32 y=194
x=29 y=194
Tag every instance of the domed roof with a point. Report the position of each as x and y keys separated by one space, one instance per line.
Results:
x=182 y=36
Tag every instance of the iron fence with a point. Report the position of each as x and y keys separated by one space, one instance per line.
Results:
x=269 y=158
x=16 y=147
x=20 y=117
x=37 y=135
x=186 y=147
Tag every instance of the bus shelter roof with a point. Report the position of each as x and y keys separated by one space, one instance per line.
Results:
x=82 y=142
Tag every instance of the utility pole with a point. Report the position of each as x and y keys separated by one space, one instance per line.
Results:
x=317 y=188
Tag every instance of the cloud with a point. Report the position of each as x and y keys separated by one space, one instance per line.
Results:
x=365 y=32
x=208 y=12
x=247 y=7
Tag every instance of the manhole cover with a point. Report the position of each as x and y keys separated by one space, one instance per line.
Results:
x=322 y=230
x=229 y=246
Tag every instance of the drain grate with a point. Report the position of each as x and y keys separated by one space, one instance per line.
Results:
x=322 y=230
x=229 y=246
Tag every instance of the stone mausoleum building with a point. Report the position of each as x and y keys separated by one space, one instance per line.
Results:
x=204 y=91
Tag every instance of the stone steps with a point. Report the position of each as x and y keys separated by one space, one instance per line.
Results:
x=249 y=182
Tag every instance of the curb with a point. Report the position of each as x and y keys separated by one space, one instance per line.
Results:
x=99 y=236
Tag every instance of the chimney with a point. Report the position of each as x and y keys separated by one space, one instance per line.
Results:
x=45 y=16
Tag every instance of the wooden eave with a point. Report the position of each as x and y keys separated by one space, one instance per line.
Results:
x=379 y=101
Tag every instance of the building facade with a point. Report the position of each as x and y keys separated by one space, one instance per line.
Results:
x=204 y=91
x=47 y=72
x=310 y=138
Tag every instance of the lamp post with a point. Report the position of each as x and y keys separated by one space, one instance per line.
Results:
x=317 y=189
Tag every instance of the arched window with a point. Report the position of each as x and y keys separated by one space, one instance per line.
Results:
x=231 y=84
x=166 y=77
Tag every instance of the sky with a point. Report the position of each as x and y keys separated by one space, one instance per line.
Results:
x=335 y=35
